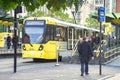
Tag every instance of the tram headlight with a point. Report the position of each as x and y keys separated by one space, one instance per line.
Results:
x=41 y=47
x=24 y=48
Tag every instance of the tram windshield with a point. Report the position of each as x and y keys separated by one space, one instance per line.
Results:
x=34 y=31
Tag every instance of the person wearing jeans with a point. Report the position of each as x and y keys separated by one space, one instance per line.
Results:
x=85 y=53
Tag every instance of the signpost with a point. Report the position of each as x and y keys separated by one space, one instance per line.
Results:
x=101 y=18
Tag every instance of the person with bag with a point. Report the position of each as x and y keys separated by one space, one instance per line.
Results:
x=85 y=53
x=13 y=41
x=8 y=41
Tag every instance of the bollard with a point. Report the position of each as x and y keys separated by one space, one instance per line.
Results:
x=57 y=55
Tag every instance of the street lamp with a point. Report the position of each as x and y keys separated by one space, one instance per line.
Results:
x=73 y=13
x=76 y=15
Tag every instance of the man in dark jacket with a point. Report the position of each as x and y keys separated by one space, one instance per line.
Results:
x=85 y=53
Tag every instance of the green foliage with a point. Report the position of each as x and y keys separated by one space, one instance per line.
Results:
x=52 y=5
x=91 y=22
x=7 y=5
x=61 y=15
x=38 y=14
x=57 y=14
x=31 y=5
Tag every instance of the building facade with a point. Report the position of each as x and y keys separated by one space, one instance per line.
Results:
x=86 y=9
x=92 y=6
x=118 y=6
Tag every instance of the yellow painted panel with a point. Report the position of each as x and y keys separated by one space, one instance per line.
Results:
x=10 y=23
x=106 y=23
x=51 y=22
x=5 y=23
x=116 y=21
x=110 y=29
x=48 y=52
x=2 y=38
x=1 y=22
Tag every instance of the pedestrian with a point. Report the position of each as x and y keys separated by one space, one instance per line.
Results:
x=8 y=41
x=97 y=39
x=13 y=41
x=80 y=40
x=89 y=40
x=93 y=42
x=85 y=53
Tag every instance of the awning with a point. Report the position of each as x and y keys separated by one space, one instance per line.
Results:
x=114 y=18
x=10 y=19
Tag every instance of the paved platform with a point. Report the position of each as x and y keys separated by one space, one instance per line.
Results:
x=115 y=63
x=111 y=77
x=28 y=70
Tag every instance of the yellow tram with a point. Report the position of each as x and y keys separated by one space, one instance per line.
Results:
x=3 y=36
x=43 y=36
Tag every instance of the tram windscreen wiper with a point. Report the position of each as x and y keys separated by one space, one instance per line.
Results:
x=31 y=45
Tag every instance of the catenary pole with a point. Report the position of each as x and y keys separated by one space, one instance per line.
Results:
x=15 y=41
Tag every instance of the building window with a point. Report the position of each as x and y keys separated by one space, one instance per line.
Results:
x=101 y=1
x=96 y=8
x=96 y=1
x=113 y=5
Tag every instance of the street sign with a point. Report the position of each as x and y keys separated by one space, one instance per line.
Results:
x=101 y=14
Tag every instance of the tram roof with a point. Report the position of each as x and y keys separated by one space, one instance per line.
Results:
x=50 y=20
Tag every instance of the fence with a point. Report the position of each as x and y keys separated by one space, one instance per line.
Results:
x=111 y=54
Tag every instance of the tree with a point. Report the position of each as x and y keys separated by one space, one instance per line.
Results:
x=91 y=22
x=56 y=14
x=61 y=15
x=38 y=13
x=31 y=5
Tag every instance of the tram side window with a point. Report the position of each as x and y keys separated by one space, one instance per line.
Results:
x=70 y=33
x=60 y=34
x=49 y=33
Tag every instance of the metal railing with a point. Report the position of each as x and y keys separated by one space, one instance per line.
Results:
x=75 y=48
x=111 y=54
x=9 y=51
x=108 y=53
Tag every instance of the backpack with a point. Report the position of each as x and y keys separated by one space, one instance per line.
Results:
x=8 y=39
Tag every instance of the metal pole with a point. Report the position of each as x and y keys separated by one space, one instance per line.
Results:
x=57 y=55
x=72 y=37
x=116 y=34
x=15 y=41
x=104 y=11
x=100 y=50
x=73 y=13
